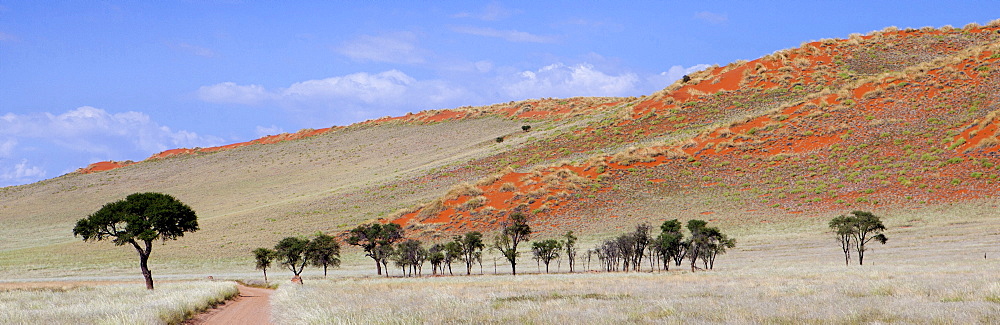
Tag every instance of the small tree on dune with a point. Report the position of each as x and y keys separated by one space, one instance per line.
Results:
x=264 y=257
x=139 y=218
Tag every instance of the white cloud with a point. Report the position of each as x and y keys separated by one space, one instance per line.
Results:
x=399 y=47
x=262 y=131
x=559 y=80
x=508 y=35
x=230 y=92
x=348 y=98
x=364 y=87
x=676 y=72
x=83 y=135
x=711 y=17
x=20 y=173
x=492 y=12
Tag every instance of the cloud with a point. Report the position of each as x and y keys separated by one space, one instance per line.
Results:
x=508 y=35
x=231 y=93
x=20 y=173
x=347 y=98
x=270 y=130
x=194 y=49
x=711 y=17
x=559 y=80
x=492 y=12
x=81 y=136
x=676 y=72
x=399 y=47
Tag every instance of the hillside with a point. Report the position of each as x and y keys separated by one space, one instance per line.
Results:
x=891 y=121
x=895 y=119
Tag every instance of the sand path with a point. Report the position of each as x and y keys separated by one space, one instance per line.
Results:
x=251 y=307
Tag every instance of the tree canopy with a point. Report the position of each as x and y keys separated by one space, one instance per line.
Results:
x=515 y=231
x=139 y=218
x=377 y=240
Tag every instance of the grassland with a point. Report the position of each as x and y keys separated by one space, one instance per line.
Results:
x=170 y=303
x=932 y=270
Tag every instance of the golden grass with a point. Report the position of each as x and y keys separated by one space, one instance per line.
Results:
x=170 y=303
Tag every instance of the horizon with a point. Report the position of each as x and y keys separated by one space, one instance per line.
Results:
x=119 y=82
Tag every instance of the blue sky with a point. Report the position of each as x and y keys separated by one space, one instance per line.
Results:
x=88 y=81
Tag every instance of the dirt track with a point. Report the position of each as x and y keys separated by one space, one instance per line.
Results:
x=251 y=307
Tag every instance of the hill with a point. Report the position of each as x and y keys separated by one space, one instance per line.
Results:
x=891 y=121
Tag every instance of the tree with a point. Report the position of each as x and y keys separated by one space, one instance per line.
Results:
x=546 y=251
x=323 y=251
x=844 y=228
x=410 y=255
x=570 y=244
x=706 y=243
x=670 y=244
x=264 y=258
x=436 y=256
x=640 y=239
x=452 y=252
x=516 y=231
x=525 y=128
x=291 y=253
x=139 y=218
x=471 y=247
x=867 y=227
x=377 y=240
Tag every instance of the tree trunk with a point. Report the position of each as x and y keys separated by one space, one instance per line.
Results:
x=265 y=275
x=513 y=268
x=143 y=261
x=324 y=271
x=378 y=266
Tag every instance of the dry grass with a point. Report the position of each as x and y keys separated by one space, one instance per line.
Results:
x=170 y=303
x=931 y=271
x=944 y=293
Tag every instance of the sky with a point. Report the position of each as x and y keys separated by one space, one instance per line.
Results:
x=89 y=81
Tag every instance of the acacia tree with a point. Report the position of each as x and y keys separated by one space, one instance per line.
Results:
x=516 y=231
x=376 y=239
x=669 y=245
x=570 y=244
x=410 y=256
x=844 y=229
x=436 y=256
x=471 y=247
x=291 y=253
x=546 y=251
x=452 y=252
x=323 y=251
x=264 y=258
x=139 y=218
x=640 y=239
x=706 y=243
x=866 y=227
